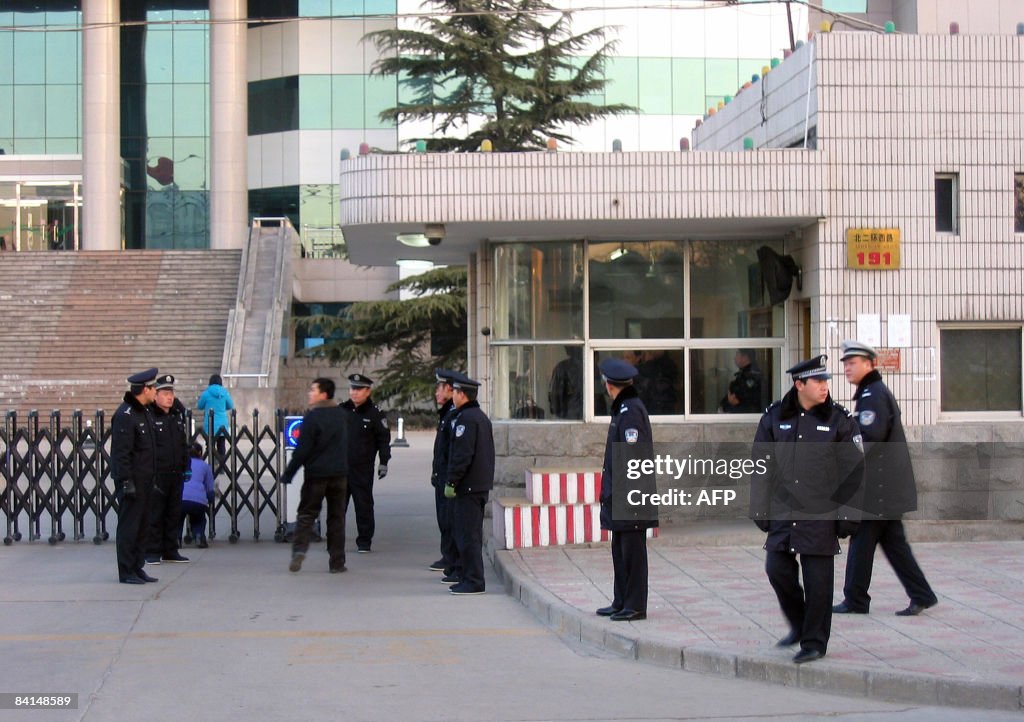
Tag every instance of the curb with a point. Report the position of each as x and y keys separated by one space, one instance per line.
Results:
x=826 y=676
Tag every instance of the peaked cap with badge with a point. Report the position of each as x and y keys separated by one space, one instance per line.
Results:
x=359 y=381
x=853 y=348
x=144 y=378
x=812 y=368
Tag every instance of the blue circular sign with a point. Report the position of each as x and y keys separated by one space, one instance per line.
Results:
x=292 y=426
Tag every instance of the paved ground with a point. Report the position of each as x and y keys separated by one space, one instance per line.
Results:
x=234 y=635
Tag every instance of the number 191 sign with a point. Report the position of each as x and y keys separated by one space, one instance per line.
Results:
x=873 y=249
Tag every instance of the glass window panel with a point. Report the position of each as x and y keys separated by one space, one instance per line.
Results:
x=721 y=76
x=654 y=76
x=845 y=6
x=347 y=101
x=160 y=168
x=159 y=56
x=7 y=118
x=538 y=290
x=63 y=146
x=688 y=86
x=159 y=102
x=6 y=55
x=29 y=146
x=316 y=207
x=726 y=292
x=274 y=105
x=636 y=289
x=29 y=101
x=622 y=84
x=981 y=369
x=526 y=386
x=314 y=8
x=190 y=112
x=190 y=56
x=733 y=381
x=29 y=58
x=381 y=7
x=345 y=8
x=1018 y=202
x=659 y=382
x=381 y=94
x=62 y=54
x=315 y=101
x=190 y=171
x=62 y=111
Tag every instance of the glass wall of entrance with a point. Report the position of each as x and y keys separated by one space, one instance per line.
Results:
x=40 y=215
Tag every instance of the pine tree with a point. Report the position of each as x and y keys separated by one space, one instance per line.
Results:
x=405 y=329
x=492 y=69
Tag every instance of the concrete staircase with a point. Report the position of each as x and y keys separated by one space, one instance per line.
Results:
x=75 y=324
x=561 y=507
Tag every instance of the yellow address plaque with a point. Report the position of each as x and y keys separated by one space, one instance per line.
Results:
x=873 y=249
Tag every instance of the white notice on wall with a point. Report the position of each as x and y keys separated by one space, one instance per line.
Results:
x=899 y=330
x=869 y=328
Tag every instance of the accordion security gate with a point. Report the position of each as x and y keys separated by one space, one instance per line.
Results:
x=57 y=483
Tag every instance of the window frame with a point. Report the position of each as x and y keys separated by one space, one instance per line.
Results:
x=954 y=203
x=978 y=415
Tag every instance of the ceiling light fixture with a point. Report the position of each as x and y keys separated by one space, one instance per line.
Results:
x=413 y=240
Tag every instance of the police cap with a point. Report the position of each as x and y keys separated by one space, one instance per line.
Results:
x=144 y=378
x=461 y=381
x=617 y=371
x=165 y=382
x=443 y=376
x=813 y=368
x=858 y=348
x=359 y=381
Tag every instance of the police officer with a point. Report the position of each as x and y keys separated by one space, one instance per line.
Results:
x=470 y=477
x=172 y=460
x=448 y=564
x=133 y=466
x=323 y=451
x=629 y=433
x=808 y=491
x=890 y=490
x=369 y=437
x=744 y=393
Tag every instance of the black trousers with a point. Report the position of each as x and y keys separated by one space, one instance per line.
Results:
x=809 y=609
x=311 y=498
x=360 y=490
x=165 y=515
x=469 y=536
x=629 y=561
x=196 y=513
x=890 y=535
x=449 y=549
x=132 y=529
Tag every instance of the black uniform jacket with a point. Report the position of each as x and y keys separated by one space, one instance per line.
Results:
x=889 y=486
x=323 y=442
x=814 y=475
x=746 y=386
x=369 y=435
x=442 y=441
x=630 y=431
x=172 y=457
x=471 y=454
x=132 y=443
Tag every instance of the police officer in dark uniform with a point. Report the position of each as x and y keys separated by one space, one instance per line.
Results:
x=448 y=564
x=172 y=460
x=133 y=467
x=744 y=394
x=369 y=437
x=470 y=477
x=808 y=492
x=629 y=434
x=890 y=490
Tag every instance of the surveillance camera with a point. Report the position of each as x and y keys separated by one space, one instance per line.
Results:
x=434 y=233
x=434 y=240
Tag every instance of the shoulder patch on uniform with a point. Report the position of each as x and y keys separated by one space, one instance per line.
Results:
x=858 y=440
x=631 y=436
x=865 y=394
x=866 y=417
x=460 y=430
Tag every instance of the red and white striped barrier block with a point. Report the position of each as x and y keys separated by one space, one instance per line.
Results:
x=519 y=524
x=549 y=486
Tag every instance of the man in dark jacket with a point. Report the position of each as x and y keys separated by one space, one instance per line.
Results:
x=807 y=490
x=448 y=564
x=369 y=437
x=470 y=477
x=323 y=452
x=133 y=467
x=629 y=437
x=172 y=460
x=890 y=490
x=744 y=393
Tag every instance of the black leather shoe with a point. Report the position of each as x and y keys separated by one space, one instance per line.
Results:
x=339 y=569
x=131 y=579
x=608 y=611
x=451 y=579
x=844 y=608
x=807 y=655
x=145 y=577
x=789 y=640
x=914 y=609
x=628 y=615
x=437 y=566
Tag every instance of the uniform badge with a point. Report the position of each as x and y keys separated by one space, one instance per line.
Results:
x=785 y=427
x=867 y=417
x=824 y=428
x=632 y=435
x=858 y=440
x=460 y=430
x=750 y=383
